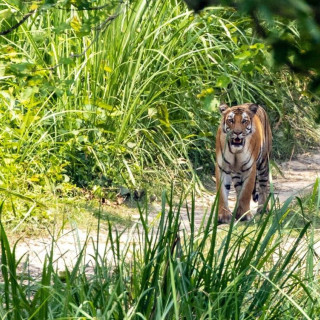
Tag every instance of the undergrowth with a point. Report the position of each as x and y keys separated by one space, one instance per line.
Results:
x=134 y=102
x=173 y=269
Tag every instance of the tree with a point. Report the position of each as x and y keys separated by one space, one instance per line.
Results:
x=301 y=57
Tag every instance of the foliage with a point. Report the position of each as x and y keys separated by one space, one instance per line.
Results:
x=167 y=270
x=127 y=94
x=300 y=54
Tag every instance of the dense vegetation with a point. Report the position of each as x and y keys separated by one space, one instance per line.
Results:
x=301 y=57
x=128 y=94
x=266 y=269
x=98 y=95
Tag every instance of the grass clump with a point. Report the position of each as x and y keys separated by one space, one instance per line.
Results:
x=176 y=269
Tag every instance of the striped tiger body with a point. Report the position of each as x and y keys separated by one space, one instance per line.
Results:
x=243 y=146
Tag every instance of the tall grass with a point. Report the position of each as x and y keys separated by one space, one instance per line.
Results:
x=138 y=106
x=175 y=270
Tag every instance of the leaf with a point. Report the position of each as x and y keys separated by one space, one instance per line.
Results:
x=243 y=55
x=98 y=103
x=27 y=93
x=258 y=46
x=15 y=3
x=34 y=6
x=61 y=28
x=75 y=24
x=34 y=178
x=104 y=105
x=6 y=13
x=66 y=60
x=163 y=117
x=116 y=113
x=211 y=104
x=223 y=81
x=152 y=112
x=248 y=67
x=131 y=145
x=163 y=113
x=23 y=68
x=107 y=68
x=34 y=81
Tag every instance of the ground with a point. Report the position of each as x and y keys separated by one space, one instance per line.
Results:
x=297 y=177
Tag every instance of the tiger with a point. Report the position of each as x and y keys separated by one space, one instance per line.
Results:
x=243 y=146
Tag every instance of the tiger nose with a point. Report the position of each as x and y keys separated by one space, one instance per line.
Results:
x=237 y=132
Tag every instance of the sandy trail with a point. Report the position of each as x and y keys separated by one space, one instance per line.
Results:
x=299 y=176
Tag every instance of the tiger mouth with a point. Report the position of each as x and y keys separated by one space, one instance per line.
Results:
x=237 y=142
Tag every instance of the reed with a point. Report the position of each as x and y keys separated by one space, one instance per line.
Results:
x=166 y=271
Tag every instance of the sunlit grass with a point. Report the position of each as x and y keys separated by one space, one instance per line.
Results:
x=257 y=270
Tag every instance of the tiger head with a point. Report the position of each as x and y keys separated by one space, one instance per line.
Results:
x=237 y=124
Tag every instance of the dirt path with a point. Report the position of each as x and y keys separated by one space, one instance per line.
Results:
x=299 y=176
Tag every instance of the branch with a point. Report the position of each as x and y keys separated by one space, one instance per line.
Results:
x=98 y=29
x=105 y=22
x=84 y=9
x=5 y=32
x=261 y=31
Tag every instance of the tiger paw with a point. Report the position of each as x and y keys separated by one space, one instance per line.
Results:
x=247 y=217
x=243 y=214
x=224 y=216
x=262 y=209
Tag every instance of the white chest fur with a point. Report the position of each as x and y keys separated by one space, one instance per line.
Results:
x=235 y=162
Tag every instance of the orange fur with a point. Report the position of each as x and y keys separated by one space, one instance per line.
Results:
x=243 y=146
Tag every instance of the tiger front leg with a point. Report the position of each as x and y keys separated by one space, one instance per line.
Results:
x=243 y=204
x=237 y=181
x=223 y=180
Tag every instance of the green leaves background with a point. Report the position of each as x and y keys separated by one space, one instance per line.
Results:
x=125 y=93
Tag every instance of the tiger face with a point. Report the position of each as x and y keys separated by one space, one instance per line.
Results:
x=237 y=124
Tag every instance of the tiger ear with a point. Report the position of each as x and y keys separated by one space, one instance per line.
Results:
x=253 y=108
x=223 y=107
